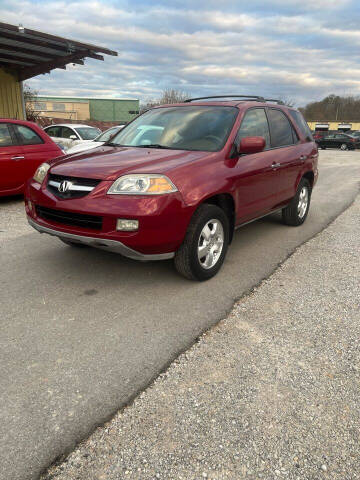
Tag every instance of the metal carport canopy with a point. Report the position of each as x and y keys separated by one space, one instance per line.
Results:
x=32 y=53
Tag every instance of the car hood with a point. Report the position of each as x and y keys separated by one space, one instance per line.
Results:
x=108 y=163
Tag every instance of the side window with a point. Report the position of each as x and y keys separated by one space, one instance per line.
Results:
x=67 y=132
x=6 y=139
x=254 y=124
x=281 y=130
x=53 y=131
x=27 y=135
x=302 y=125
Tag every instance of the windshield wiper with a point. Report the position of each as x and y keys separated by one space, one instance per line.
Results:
x=153 y=145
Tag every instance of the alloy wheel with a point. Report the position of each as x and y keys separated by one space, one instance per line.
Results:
x=210 y=243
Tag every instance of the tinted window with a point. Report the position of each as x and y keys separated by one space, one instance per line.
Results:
x=53 y=131
x=281 y=130
x=5 y=136
x=27 y=135
x=301 y=123
x=254 y=124
x=180 y=128
x=67 y=132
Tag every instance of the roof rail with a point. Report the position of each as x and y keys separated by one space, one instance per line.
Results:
x=250 y=97
x=274 y=100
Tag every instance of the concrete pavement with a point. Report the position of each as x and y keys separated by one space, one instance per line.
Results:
x=82 y=331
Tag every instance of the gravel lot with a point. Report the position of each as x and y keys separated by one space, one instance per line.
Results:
x=271 y=392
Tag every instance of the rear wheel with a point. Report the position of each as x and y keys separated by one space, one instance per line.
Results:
x=296 y=212
x=205 y=245
x=73 y=244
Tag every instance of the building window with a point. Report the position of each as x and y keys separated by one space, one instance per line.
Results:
x=40 y=106
x=134 y=112
x=59 y=107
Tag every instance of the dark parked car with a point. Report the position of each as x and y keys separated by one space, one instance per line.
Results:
x=178 y=180
x=339 y=140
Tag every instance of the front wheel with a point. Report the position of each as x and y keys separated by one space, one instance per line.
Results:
x=205 y=245
x=343 y=146
x=296 y=212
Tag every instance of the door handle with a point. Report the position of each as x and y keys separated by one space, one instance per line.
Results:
x=20 y=157
x=275 y=165
x=303 y=158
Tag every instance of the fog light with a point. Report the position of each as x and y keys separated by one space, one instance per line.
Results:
x=127 y=225
x=29 y=204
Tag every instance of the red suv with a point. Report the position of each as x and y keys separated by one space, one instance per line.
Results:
x=178 y=180
x=23 y=147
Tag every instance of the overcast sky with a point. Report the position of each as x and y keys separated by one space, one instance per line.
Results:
x=298 y=49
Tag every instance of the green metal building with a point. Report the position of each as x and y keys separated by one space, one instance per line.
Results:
x=87 y=108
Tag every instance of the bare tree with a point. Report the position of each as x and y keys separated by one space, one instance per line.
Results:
x=168 y=96
x=30 y=96
x=333 y=108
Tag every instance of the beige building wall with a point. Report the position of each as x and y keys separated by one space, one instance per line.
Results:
x=11 y=100
x=62 y=109
x=335 y=125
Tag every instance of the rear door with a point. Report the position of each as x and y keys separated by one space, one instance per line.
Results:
x=11 y=158
x=288 y=154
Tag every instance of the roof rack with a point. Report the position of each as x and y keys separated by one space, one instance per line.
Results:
x=249 y=97
x=274 y=100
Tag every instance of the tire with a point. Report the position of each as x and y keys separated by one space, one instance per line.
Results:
x=187 y=258
x=73 y=244
x=323 y=148
x=343 y=146
x=296 y=212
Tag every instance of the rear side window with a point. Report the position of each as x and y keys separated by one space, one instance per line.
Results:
x=53 y=131
x=5 y=136
x=27 y=135
x=254 y=124
x=67 y=132
x=281 y=129
x=302 y=125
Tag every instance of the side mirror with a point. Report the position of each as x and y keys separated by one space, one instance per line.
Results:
x=252 y=145
x=73 y=137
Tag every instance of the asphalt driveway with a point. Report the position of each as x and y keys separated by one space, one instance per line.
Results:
x=82 y=331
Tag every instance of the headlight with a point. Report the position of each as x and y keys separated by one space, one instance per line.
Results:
x=41 y=172
x=142 y=184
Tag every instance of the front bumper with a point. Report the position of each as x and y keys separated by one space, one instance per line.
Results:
x=163 y=220
x=109 y=245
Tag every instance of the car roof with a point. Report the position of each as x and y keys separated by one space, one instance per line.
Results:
x=240 y=104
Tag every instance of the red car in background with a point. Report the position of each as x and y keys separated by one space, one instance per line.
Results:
x=23 y=147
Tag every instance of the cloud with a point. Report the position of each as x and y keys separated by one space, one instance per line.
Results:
x=302 y=49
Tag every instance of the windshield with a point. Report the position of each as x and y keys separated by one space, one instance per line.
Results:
x=105 y=136
x=88 y=133
x=180 y=128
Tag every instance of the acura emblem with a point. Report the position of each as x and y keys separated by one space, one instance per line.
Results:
x=64 y=186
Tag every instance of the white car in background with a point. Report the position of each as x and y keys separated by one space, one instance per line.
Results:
x=97 y=142
x=69 y=134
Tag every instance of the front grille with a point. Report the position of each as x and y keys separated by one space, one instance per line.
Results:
x=79 y=187
x=69 y=218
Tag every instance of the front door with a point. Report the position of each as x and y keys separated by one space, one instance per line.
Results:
x=254 y=178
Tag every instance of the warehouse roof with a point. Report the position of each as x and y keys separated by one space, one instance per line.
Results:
x=32 y=53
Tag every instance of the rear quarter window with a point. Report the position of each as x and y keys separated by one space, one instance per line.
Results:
x=281 y=130
x=301 y=124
